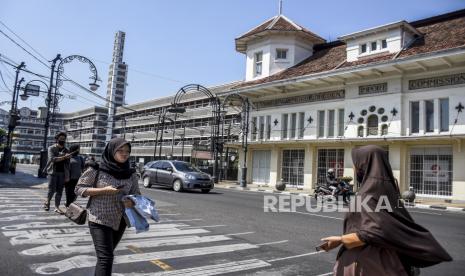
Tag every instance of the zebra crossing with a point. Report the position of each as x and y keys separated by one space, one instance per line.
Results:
x=52 y=245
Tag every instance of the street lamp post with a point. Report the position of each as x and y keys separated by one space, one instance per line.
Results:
x=183 y=135
x=13 y=120
x=51 y=103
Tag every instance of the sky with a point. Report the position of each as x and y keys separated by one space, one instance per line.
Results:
x=170 y=43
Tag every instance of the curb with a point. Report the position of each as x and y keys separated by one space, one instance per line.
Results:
x=420 y=206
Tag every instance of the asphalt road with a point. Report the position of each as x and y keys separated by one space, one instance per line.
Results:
x=224 y=232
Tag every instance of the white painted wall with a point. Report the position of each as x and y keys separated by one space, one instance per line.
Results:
x=395 y=39
x=298 y=50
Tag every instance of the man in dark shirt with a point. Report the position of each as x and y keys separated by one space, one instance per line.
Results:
x=57 y=170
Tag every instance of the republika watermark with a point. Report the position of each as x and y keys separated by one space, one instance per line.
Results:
x=291 y=203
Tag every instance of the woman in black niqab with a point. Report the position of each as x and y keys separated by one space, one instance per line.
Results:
x=384 y=242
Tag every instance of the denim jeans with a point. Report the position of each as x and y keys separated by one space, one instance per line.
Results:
x=105 y=241
x=56 y=183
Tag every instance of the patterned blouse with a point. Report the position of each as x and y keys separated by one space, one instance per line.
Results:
x=106 y=209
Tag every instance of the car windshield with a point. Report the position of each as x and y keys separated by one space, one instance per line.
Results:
x=185 y=167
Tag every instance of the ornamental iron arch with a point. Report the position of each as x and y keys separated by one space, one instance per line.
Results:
x=59 y=79
x=216 y=145
x=245 y=111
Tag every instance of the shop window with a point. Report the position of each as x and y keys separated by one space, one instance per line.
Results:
x=330 y=158
x=293 y=167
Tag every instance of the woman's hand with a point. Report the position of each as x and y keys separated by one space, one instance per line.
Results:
x=333 y=242
x=109 y=190
x=128 y=203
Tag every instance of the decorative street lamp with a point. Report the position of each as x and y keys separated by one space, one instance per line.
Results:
x=14 y=117
x=52 y=100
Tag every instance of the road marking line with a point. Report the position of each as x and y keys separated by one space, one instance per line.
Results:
x=206 y=226
x=50 y=233
x=9 y=211
x=33 y=217
x=430 y=213
x=40 y=224
x=316 y=215
x=67 y=239
x=81 y=261
x=66 y=249
x=325 y=274
x=237 y=234
x=270 y=243
x=296 y=256
x=208 y=270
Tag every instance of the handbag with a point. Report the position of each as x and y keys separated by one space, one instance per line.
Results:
x=77 y=213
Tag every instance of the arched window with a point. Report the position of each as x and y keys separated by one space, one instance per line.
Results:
x=360 y=131
x=384 y=129
x=372 y=124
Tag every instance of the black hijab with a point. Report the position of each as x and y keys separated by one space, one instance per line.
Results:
x=394 y=230
x=110 y=165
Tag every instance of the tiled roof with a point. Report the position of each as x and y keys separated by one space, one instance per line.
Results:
x=439 y=33
x=279 y=23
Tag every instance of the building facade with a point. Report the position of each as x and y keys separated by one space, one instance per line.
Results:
x=87 y=128
x=400 y=86
x=185 y=136
x=28 y=136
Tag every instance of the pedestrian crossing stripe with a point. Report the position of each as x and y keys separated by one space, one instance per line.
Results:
x=208 y=270
x=83 y=261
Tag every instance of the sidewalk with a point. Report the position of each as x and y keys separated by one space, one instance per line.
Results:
x=423 y=203
x=22 y=180
x=264 y=188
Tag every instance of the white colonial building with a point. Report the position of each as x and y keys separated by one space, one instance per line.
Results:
x=400 y=86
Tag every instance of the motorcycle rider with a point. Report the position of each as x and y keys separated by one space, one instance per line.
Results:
x=332 y=182
x=335 y=185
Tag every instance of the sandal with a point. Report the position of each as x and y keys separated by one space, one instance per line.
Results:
x=59 y=211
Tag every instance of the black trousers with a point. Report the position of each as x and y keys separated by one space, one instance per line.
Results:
x=69 y=189
x=56 y=183
x=105 y=241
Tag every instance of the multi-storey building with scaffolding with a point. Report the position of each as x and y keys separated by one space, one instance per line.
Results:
x=28 y=136
x=86 y=127
x=184 y=136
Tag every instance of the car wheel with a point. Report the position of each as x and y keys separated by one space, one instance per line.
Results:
x=205 y=191
x=177 y=185
x=147 y=182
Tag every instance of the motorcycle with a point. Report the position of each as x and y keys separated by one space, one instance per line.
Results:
x=324 y=192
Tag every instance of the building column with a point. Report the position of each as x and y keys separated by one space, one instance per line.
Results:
x=275 y=166
x=348 y=164
x=422 y=118
x=396 y=159
x=308 y=166
x=436 y=116
x=240 y=162
x=289 y=126
x=458 y=173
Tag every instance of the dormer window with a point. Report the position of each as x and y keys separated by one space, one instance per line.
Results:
x=383 y=44
x=363 y=48
x=281 y=54
x=258 y=63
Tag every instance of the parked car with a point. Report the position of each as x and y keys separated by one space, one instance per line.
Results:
x=178 y=175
